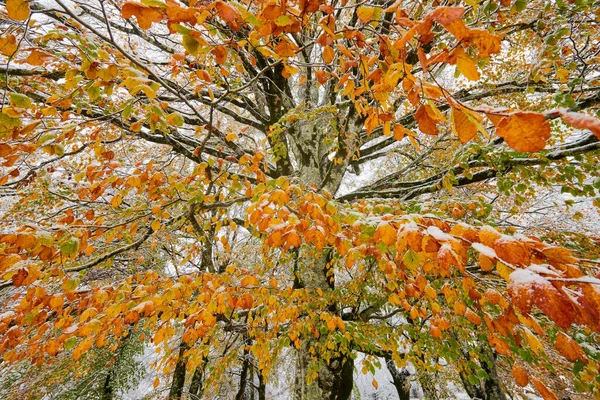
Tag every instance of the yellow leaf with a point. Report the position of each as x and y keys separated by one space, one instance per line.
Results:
x=365 y=14
x=18 y=9
x=466 y=65
x=504 y=270
x=231 y=137
x=534 y=342
x=156 y=382
x=8 y=45
x=155 y=225
x=328 y=54
x=385 y=233
x=375 y=384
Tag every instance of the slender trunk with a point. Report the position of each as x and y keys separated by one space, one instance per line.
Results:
x=107 y=389
x=401 y=379
x=241 y=394
x=197 y=386
x=262 y=387
x=427 y=384
x=179 y=374
x=487 y=388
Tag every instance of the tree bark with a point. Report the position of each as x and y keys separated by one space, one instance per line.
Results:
x=401 y=379
x=197 y=385
x=487 y=388
x=314 y=167
x=178 y=381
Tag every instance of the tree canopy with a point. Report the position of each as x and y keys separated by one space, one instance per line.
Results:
x=255 y=186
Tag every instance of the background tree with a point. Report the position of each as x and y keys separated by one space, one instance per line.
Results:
x=252 y=181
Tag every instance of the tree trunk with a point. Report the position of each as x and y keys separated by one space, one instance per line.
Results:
x=307 y=142
x=241 y=394
x=179 y=374
x=401 y=379
x=486 y=388
x=262 y=387
x=197 y=386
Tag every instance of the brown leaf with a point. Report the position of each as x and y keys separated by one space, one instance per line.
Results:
x=18 y=278
x=524 y=131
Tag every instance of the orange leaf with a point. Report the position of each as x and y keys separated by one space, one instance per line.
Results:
x=582 y=121
x=427 y=124
x=144 y=14
x=466 y=65
x=220 y=53
x=524 y=131
x=471 y=316
x=328 y=54
x=8 y=45
x=445 y=15
x=18 y=9
x=321 y=76
x=385 y=233
x=513 y=251
x=544 y=391
x=569 y=348
x=365 y=14
x=465 y=128
x=520 y=375
x=229 y=15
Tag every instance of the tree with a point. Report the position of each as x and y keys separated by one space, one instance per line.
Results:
x=252 y=181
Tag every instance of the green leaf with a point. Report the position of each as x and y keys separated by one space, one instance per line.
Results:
x=411 y=259
x=191 y=45
x=154 y=3
x=69 y=247
x=70 y=343
x=283 y=20
x=175 y=119
x=46 y=138
x=20 y=100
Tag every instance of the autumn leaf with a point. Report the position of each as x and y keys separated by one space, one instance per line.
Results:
x=466 y=65
x=427 y=124
x=464 y=128
x=18 y=9
x=569 y=348
x=8 y=45
x=513 y=251
x=582 y=121
x=220 y=53
x=365 y=13
x=385 y=233
x=144 y=14
x=229 y=15
x=520 y=375
x=328 y=54
x=524 y=131
x=546 y=393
